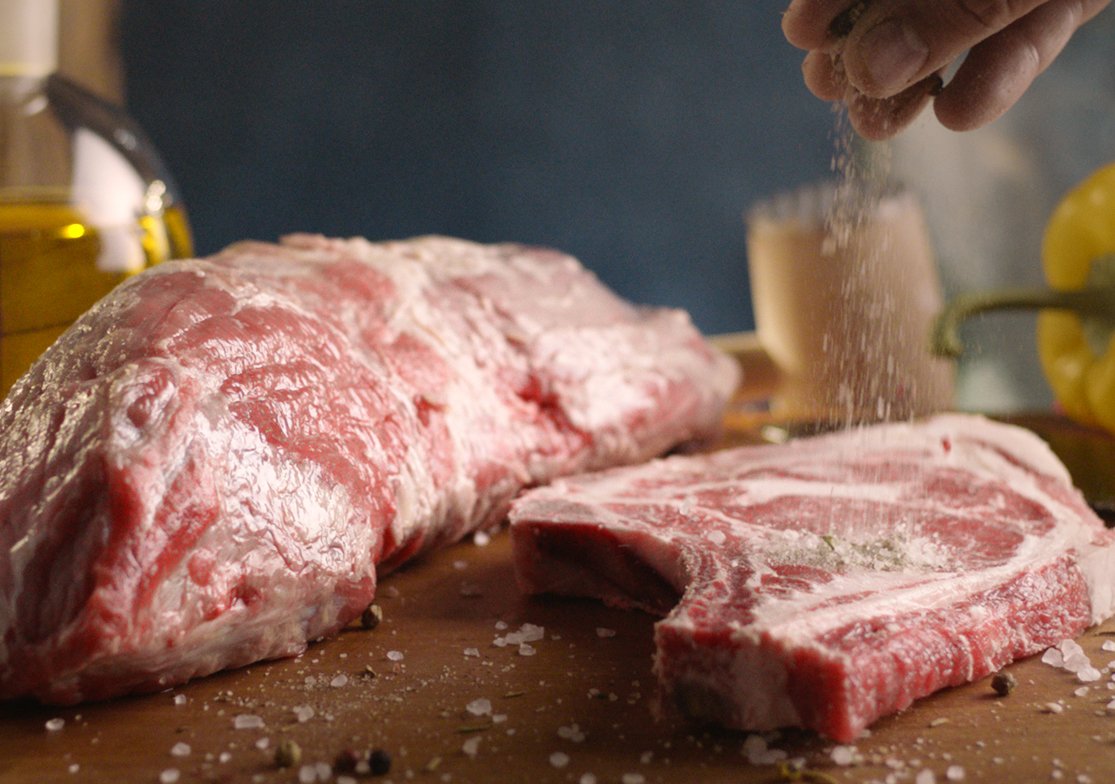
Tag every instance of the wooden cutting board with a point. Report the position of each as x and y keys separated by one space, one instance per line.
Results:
x=578 y=702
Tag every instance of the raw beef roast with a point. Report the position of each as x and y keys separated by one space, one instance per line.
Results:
x=830 y=581
x=210 y=466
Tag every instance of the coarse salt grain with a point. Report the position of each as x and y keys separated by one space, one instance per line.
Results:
x=303 y=713
x=54 y=725
x=587 y=778
x=307 y=774
x=471 y=746
x=955 y=773
x=246 y=721
x=263 y=743
x=460 y=566
x=1110 y=707
x=179 y=699
x=926 y=776
x=180 y=750
x=717 y=537
x=475 y=652
x=1108 y=645
x=633 y=778
x=1082 y=691
x=74 y=767
x=559 y=759
x=395 y=656
x=602 y=633
x=1088 y=675
x=224 y=756
x=526 y=649
x=1052 y=657
x=480 y=707
x=571 y=733
x=481 y=539
x=169 y=776
x=1075 y=662
x=339 y=681
x=843 y=755
x=1054 y=707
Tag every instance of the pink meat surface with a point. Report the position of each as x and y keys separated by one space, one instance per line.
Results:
x=827 y=582
x=212 y=465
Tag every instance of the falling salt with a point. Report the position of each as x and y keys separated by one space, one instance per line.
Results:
x=843 y=755
x=339 y=681
x=224 y=756
x=602 y=633
x=471 y=746
x=55 y=725
x=480 y=707
x=395 y=656
x=633 y=778
x=587 y=778
x=559 y=759
x=169 y=776
x=303 y=713
x=481 y=539
x=180 y=750
x=74 y=768
x=247 y=721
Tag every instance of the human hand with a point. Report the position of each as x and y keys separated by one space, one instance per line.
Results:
x=884 y=58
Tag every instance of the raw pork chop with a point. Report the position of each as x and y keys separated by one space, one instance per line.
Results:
x=207 y=468
x=830 y=581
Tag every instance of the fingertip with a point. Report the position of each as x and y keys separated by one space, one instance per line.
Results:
x=880 y=119
x=822 y=77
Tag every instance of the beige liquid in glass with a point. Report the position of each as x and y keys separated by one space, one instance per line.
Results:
x=844 y=310
x=53 y=268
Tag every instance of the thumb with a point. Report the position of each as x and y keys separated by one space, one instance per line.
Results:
x=897 y=43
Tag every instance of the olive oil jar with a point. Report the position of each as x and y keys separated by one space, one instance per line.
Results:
x=85 y=201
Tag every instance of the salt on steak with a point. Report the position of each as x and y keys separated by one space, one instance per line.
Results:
x=827 y=582
x=211 y=465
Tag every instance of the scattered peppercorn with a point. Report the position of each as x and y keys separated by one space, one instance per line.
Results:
x=380 y=762
x=1003 y=683
x=288 y=754
x=371 y=616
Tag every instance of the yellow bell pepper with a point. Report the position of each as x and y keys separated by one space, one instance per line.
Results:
x=1076 y=350
x=1076 y=322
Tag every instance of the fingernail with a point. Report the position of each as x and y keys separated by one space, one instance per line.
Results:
x=893 y=55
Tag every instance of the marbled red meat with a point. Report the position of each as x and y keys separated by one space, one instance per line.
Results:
x=830 y=581
x=211 y=466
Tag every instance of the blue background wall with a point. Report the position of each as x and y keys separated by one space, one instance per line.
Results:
x=631 y=134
